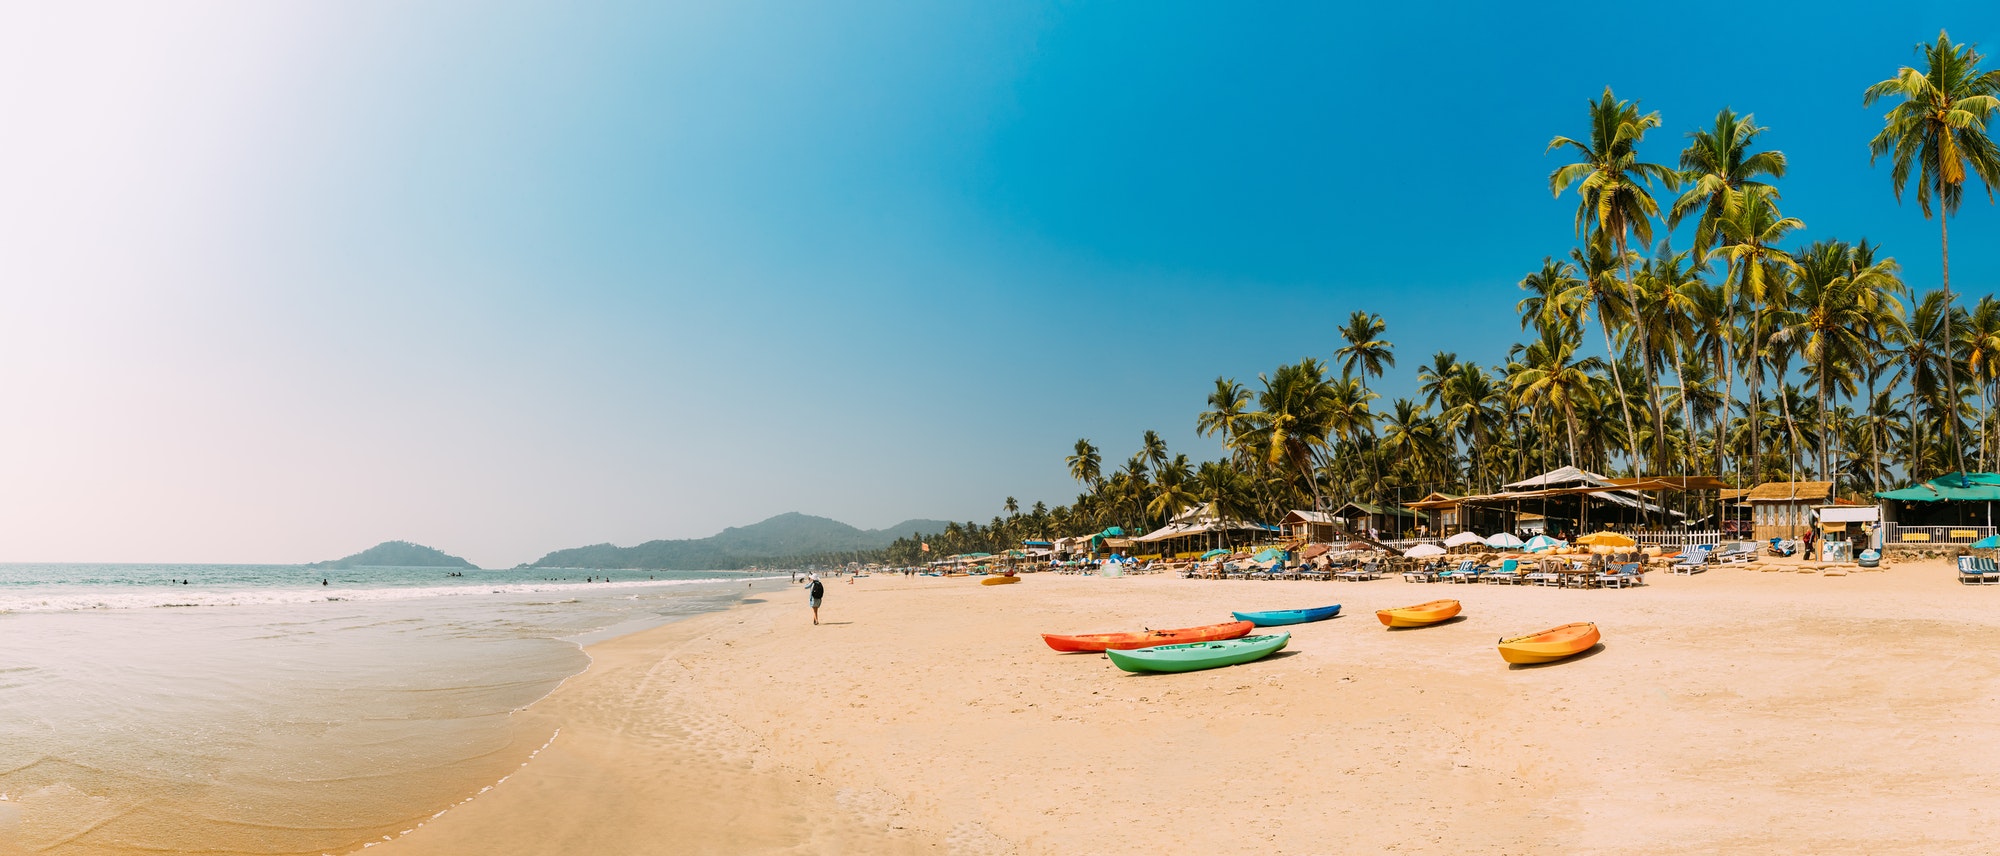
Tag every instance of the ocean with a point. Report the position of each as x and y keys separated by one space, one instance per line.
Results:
x=262 y=709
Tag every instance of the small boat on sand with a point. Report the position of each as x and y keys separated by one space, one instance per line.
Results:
x=1097 y=642
x=1279 y=617
x=999 y=581
x=1419 y=615
x=1550 y=645
x=1198 y=655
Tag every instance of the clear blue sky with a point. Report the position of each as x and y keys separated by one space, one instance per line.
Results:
x=505 y=278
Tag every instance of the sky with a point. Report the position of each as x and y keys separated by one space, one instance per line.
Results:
x=281 y=281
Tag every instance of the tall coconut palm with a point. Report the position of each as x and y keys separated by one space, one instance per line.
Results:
x=1087 y=465
x=1837 y=300
x=1366 y=352
x=1760 y=276
x=1545 y=288
x=1294 y=417
x=1227 y=414
x=1982 y=350
x=1719 y=170
x=1154 y=449
x=1940 y=128
x=1601 y=289
x=1553 y=376
x=1614 y=201
x=1473 y=407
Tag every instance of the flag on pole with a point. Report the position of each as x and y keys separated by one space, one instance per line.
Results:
x=927 y=546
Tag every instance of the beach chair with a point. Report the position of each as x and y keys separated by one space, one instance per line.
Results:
x=1989 y=572
x=1691 y=563
x=1968 y=572
x=1619 y=575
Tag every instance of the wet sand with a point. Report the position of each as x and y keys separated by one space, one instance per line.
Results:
x=1733 y=711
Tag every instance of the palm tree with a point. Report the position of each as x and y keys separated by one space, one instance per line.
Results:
x=1552 y=376
x=1545 y=288
x=1940 y=127
x=1295 y=414
x=1927 y=355
x=1719 y=169
x=1227 y=413
x=1012 y=507
x=1086 y=465
x=1474 y=406
x=1982 y=350
x=1759 y=271
x=1365 y=349
x=1670 y=287
x=1613 y=199
x=1837 y=300
x=1601 y=289
x=1154 y=448
x=1432 y=378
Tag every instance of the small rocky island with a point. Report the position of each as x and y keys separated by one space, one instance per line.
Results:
x=398 y=554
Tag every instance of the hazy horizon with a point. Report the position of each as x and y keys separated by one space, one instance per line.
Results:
x=286 y=281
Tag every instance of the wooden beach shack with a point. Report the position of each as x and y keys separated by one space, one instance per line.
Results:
x=1365 y=518
x=1311 y=527
x=1956 y=508
x=1783 y=509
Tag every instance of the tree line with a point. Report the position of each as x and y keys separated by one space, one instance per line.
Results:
x=1747 y=352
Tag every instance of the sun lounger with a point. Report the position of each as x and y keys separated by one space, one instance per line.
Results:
x=1691 y=563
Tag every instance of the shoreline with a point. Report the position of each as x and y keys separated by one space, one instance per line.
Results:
x=1728 y=711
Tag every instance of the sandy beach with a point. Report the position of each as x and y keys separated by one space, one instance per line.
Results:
x=1734 y=711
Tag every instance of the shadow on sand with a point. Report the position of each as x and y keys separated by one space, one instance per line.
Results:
x=1447 y=622
x=1584 y=654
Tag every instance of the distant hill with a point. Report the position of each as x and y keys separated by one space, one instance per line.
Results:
x=398 y=554
x=769 y=542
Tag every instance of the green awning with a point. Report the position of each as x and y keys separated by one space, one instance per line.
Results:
x=1956 y=487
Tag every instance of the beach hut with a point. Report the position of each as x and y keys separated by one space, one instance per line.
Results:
x=1952 y=509
x=1785 y=509
x=1366 y=518
x=1310 y=526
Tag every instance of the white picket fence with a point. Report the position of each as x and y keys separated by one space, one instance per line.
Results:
x=1683 y=539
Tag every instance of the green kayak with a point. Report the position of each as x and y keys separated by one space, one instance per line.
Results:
x=1195 y=656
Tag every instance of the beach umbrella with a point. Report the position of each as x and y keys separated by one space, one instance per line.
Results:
x=1542 y=542
x=1462 y=539
x=1423 y=551
x=1360 y=545
x=1606 y=539
x=1503 y=541
x=1990 y=542
x=1214 y=553
x=1267 y=554
x=1113 y=532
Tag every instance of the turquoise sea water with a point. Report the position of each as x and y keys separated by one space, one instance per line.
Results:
x=256 y=710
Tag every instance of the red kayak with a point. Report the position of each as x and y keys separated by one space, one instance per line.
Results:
x=1095 y=642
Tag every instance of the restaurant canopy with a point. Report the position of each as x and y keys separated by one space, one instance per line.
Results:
x=1955 y=487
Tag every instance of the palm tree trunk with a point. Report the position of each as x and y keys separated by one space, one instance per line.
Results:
x=1874 y=438
x=1569 y=416
x=1950 y=348
x=1825 y=423
x=1687 y=409
x=1618 y=389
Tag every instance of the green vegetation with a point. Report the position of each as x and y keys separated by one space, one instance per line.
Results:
x=1847 y=373
x=398 y=554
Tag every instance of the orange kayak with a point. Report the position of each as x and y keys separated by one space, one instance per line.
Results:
x=1550 y=645
x=1096 y=642
x=999 y=581
x=1419 y=615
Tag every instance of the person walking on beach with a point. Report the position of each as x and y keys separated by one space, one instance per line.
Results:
x=813 y=594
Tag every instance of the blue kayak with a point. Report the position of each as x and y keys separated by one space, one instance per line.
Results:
x=1277 y=617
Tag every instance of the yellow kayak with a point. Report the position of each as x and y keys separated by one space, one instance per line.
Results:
x=999 y=581
x=1550 y=645
x=1419 y=615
